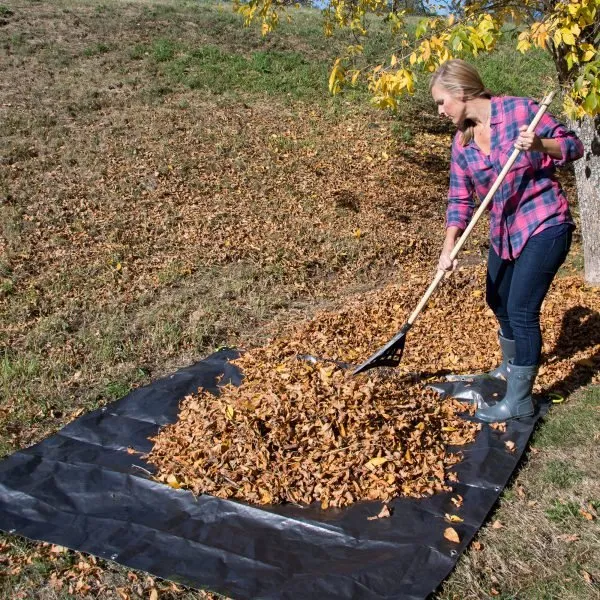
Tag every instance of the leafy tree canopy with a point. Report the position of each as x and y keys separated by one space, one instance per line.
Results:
x=568 y=29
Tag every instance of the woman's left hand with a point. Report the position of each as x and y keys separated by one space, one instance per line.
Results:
x=528 y=140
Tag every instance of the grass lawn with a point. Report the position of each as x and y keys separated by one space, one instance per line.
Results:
x=171 y=182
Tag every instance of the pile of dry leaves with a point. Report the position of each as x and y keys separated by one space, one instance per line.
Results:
x=300 y=431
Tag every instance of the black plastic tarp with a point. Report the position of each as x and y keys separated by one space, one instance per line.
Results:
x=82 y=489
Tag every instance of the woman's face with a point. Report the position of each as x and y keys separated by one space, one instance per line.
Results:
x=449 y=105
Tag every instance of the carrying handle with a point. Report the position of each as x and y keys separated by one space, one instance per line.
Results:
x=488 y=198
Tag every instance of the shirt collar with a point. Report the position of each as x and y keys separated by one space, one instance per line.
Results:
x=497 y=110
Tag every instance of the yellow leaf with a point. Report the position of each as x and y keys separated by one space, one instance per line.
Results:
x=172 y=481
x=449 y=429
x=567 y=36
x=451 y=535
x=557 y=38
x=229 y=412
x=357 y=233
x=393 y=60
x=265 y=496
x=264 y=29
x=588 y=55
x=453 y=518
x=385 y=155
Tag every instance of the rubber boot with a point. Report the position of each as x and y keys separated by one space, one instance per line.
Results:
x=509 y=353
x=517 y=403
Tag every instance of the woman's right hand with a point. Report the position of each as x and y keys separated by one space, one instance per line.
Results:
x=446 y=263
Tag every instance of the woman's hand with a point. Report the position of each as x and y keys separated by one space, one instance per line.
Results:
x=528 y=140
x=445 y=263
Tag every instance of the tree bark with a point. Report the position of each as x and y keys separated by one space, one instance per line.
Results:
x=587 y=178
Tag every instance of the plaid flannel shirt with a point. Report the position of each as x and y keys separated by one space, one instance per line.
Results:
x=530 y=199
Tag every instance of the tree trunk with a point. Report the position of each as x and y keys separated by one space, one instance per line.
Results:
x=587 y=177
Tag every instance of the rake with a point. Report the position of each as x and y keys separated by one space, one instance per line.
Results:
x=390 y=355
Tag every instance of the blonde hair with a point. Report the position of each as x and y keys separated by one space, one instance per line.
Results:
x=463 y=80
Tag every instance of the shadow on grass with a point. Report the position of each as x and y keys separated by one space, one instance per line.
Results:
x=580 y=330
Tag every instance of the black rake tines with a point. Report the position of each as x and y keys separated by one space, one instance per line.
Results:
x=388 y=356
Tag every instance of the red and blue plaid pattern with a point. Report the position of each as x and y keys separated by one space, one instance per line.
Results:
x=530 y=199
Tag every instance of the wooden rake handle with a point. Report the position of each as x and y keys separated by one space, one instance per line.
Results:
x=463 y=238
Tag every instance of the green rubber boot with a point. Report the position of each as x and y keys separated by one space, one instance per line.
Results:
x=509 y=352
x=517 y=403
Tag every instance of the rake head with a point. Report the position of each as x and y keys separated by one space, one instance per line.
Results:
x=388 y=356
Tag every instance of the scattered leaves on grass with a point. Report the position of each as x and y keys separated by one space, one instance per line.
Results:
x=569 y=538
x=587 y=577
x=586 y=514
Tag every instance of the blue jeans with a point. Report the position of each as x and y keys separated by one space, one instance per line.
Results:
x=515 y=289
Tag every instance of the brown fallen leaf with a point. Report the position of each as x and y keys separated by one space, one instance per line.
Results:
x=497 y=525
x=457 y=500
x=569 y=538
x=510 y=445
x=478 y=546
x=451 y=535
x=382 y=514
x=587 y=577
x=586 y=515
x=153 y=594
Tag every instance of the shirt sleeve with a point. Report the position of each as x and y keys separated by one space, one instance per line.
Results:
x=571 y=147
x=460 y=194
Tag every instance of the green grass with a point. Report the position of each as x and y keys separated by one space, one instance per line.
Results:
x=562 y=474
x=97 y=49
x=571 y=424
x=214 y=70
x=560 y=512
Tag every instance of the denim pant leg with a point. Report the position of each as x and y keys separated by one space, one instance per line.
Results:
x=532 y=275
x=498 y=282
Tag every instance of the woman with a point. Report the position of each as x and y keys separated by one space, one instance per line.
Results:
x=530 y=222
